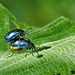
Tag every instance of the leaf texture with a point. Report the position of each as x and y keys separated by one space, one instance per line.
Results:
x=57 y=47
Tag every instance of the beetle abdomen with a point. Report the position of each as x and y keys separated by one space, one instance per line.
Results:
x=11 y=47
x=20 y=43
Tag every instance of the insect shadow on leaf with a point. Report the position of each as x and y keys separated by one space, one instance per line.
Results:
x=42 y=48
x=73 y=72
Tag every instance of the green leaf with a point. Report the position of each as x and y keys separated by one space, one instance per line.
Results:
x=4 y=28
x=57 y=47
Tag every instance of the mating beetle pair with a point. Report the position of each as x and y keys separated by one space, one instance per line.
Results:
x=18 y=43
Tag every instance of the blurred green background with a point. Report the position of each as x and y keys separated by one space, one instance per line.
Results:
x=40 y=12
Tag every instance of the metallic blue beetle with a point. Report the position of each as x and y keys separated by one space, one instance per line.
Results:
x=21 y=44
x=10 y=36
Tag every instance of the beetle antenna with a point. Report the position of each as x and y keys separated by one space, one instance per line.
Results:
x=27 y=30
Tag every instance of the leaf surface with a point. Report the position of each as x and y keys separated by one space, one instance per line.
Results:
x=57 y=47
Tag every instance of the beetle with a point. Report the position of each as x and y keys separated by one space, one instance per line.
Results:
x=10 y=36
x=21 y=43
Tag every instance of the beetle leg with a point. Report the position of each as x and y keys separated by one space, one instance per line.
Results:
x=11 y=54
x=37 y=51
x=26 y=53
x=18 y=42
x=38 y=48
x=32 y=52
